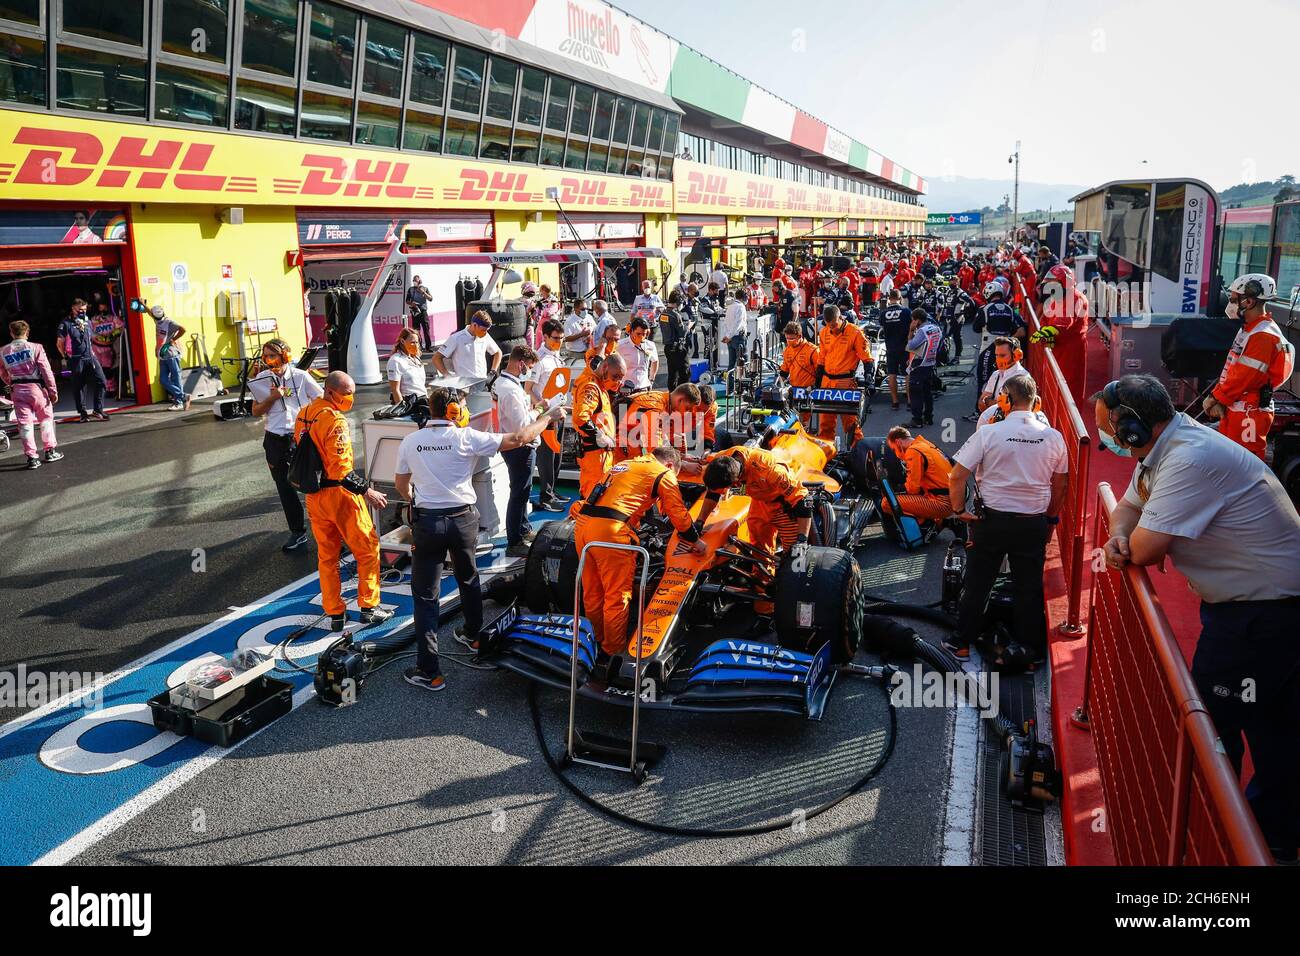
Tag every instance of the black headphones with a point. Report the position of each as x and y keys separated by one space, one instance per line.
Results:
x=1130 y=430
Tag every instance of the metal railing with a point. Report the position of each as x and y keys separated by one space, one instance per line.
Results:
x=1062 y=411
x=1171 y=796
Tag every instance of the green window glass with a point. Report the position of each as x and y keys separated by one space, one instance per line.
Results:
x=557 y=105
x=22 y=71
x=331 y=45
x=501 y=89
x=326 y=116
x=196 y=28
x=101 y=82
x=385 y=60
x=190 y=96
x=265 y=107
x=271 y=36
x=467 y=82
x=423 y=131
x=429 y=70
x=532 y=93
x=121 y=20
x=377 y=124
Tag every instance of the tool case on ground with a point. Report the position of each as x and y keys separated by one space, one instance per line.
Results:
x=231 y=718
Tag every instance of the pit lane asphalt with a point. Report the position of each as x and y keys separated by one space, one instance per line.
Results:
x=99 y=572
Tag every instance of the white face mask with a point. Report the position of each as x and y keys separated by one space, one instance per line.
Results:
x=1232 y=310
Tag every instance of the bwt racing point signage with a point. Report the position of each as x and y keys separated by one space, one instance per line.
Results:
x=84 y=160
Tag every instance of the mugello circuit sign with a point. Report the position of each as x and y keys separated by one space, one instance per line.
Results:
x=52 y=157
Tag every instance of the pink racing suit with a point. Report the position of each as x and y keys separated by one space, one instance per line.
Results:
x=105 y=329
x=26 y=369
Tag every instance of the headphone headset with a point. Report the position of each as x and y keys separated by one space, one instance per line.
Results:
x=456 y=412
x=1004 y=405
x=1130 y=430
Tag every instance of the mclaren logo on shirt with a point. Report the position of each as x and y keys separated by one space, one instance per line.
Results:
x=1026 y=441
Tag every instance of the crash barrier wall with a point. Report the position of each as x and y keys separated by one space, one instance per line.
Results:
x=1062 y=411
x=1171 y=796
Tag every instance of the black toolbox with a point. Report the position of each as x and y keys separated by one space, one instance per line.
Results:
x=231 y=718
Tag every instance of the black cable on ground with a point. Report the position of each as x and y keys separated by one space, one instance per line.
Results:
x=704 y=832
x=933 y=615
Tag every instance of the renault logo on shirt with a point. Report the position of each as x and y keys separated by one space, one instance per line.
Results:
x=424 y=448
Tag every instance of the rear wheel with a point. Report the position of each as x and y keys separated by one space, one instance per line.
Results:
x=551 y=569
x=820 y=601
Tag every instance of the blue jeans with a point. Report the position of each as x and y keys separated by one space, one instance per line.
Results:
x=735 y=349
x=519 y=465
x=169 y=370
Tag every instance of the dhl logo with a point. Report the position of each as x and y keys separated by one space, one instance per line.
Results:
x=481 y=186
x=73 y=158
x=583 y=192
x=761 y=195
x=707 y=188
x=796 y=198
x=332 y=175
x=655 y=197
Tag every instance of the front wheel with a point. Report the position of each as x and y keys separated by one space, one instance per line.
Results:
x=819 y=599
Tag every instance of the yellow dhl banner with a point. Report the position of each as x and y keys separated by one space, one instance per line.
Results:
x=46 y=157
x=699 y=188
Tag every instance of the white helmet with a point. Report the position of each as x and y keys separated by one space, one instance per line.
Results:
x=1257 y=285
x=992 y=288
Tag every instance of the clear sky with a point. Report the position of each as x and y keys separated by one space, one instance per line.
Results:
x=1208 y=89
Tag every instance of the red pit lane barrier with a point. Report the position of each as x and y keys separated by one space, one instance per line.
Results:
x=1063 y=413
x=1171 y=797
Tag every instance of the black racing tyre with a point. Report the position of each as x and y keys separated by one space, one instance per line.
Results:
x=507 y=345
x=827 y=592
x=509 y=317
x=551 y=568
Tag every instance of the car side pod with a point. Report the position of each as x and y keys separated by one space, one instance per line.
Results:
x=754 y=676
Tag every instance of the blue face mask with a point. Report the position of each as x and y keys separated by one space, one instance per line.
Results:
x=1111 y=445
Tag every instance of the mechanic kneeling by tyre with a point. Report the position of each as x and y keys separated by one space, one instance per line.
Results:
x=780 y=508
x=926 y=489
x=435 y=472
x=610 y=514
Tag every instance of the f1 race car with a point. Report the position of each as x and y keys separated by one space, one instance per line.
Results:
x=734 y=629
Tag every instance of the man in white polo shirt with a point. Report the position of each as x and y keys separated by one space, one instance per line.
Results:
x=600 y=314
x=1220 y=513
x=515 y=410
x=640 y=355
x=1006 y=365
x=470 y=352
x=1021 y=472
x=579 y=335
x=280 y=391
x=435 y=472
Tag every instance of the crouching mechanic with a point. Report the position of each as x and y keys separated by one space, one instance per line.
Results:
x=926 y=488
x=594 y=421
x=435 y=473
x=780 y=509
x=338 y=511
x=610 y=514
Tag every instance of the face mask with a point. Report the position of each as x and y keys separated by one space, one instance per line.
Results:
x=343 y=402
x=1113 y=446
x=1234 y=310
x=1003 y=364
x=411 y=349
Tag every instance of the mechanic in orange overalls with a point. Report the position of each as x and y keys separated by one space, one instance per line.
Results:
x=658 y=418
x=799 y=362
x=842 y=346
x=780 y=510
x=610 y=513
x=1065 y=310
x=926 y=489
x=594 y=422
x=1261 y=359
x=338 y=511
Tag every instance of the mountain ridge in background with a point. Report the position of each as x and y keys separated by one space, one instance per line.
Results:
x=961 y=194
